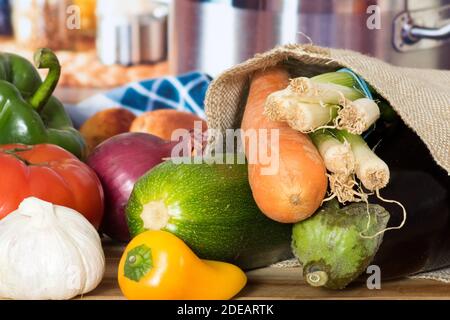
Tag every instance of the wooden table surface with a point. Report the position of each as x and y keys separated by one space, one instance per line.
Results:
x=277 y=283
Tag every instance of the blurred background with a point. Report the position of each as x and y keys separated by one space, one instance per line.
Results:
x=106 y=43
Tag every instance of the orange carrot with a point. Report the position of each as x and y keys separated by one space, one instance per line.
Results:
x=299 y=185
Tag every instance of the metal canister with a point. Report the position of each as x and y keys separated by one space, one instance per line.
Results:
x=131 y=33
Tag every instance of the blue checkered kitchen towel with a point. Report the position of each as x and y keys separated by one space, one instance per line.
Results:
x=185 y=93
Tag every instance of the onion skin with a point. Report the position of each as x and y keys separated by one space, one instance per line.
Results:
x=119 y=162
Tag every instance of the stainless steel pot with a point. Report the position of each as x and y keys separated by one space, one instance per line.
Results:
x=212 y=35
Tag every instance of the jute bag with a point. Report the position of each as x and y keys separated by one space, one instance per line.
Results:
x=421 y=97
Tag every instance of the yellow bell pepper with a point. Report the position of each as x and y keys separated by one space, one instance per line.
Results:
x=158 y=265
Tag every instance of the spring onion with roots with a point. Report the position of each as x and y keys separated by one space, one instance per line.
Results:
x=286 y=105
x=308 y=104
x=319 y=92
x=370 y=169
x=329 y=100
x=337 y=156
x=357 y=116
x=340 y=162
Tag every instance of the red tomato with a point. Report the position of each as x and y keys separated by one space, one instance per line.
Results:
x=50 y=173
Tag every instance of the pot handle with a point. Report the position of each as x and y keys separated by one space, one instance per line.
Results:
x=410 y=32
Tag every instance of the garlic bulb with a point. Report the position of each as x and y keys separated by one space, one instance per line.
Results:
x=48 y=252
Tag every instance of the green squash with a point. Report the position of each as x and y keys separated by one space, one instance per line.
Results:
x=336 y=245
x=210 y=207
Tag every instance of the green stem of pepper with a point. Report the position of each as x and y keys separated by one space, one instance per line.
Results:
x=139 y=262
x=45 y=59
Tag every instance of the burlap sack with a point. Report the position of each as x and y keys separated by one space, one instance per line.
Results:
x=421 y=97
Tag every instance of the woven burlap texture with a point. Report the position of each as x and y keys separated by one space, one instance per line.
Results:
x=421 y=97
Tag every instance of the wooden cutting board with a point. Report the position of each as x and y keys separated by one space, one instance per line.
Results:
x=277 y=283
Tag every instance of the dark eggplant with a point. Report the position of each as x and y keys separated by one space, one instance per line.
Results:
x=422 y=186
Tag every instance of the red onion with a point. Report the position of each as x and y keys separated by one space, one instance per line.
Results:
x=119 y=162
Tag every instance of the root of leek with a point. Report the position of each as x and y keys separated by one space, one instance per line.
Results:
x=342 y=187
x=357 y=116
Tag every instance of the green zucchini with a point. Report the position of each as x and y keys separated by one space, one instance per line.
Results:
x=335 y=246
x=210 y=207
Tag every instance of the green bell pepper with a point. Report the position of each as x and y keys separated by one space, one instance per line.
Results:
x=29 y=114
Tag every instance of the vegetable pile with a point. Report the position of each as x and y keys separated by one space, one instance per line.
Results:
x=191 y=219
x=52 y=203
x=320 y=121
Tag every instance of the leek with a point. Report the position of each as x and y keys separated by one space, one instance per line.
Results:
x=337 y=156
x=285 y=105
x=312 y=91
x=357 y=116
x=341 y=78
x=370 y=169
